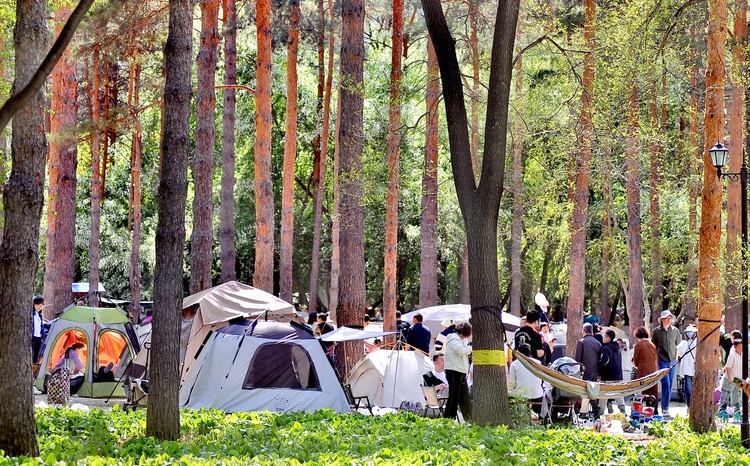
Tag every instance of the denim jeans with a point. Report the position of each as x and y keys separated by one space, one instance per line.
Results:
x=688 y=389
x=667 y=382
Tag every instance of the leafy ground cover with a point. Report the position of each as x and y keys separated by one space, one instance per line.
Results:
x=325 y=438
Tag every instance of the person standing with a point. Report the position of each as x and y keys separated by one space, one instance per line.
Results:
x=37 y=324
x=610 y=366
x=587 y=353
x=644 y=359
x=457 y=352
x=666 y=338
x=402 y=327
x=418 y=336
x=731 y=392
x=687 y=362
x=528 y=335
x=448 y=328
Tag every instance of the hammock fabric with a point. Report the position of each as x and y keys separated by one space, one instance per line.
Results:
x=591 y=390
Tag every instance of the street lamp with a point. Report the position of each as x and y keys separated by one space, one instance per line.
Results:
x=719 y=155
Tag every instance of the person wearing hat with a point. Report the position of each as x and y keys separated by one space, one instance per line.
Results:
x=529 y=335
x=448 y=328
x=666 y=338
x=687 y=361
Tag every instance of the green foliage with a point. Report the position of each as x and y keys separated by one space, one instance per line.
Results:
x=212 y=437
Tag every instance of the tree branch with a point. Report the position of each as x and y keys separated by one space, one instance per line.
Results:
x=18 y=100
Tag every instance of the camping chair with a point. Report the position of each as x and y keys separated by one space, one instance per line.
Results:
x=356 y=401
x=432 y=401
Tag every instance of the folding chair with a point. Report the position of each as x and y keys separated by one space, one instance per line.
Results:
x=356 y=401
x=432 y=401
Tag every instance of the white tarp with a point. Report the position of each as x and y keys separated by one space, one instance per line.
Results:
x=352 y=334
x=389 y=377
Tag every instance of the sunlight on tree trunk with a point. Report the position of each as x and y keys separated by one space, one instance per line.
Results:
x=227 y=229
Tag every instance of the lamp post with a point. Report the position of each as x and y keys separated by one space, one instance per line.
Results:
x=719 y=155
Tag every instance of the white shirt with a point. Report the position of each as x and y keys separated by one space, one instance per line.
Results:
x=734 y=364
x=687 y=363
x=37 y=332
x=523 y=383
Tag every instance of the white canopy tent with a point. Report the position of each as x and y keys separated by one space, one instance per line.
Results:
x=389 y=377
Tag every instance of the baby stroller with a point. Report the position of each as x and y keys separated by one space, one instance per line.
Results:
x=562 y=404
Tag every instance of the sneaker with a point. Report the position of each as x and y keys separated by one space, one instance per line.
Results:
x=665 y=412
x=722 y=414
x=37 y=391
x=738 y=415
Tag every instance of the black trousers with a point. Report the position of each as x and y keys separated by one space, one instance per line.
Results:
x=36 y=345
x=458 y=394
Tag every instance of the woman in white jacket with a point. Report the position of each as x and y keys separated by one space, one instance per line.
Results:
x=457 y=352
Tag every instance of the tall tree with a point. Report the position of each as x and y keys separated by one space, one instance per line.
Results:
x=286 y=246
x=635 y=291
x=264 y=242
x=517 y=187
x=604 y=309
x=428 y=273
x=480 y=203
x=97 y=185
x=579 y=215
x=202 y=237
x=655 y=146
x=227 y=249
x=63 y=121
x=733 y=296
x=136 y=155
x=351 y=302
x=709 y=274
x=163 y=416
x=23 y=198
x=390 y=291
x=319 y=173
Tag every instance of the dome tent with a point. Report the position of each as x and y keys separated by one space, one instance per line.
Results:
x=109 y=338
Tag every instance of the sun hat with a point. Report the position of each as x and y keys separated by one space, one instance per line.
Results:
x=447 y=322
x=666 y=314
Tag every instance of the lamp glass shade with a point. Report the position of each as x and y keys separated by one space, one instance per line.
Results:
x=719 y=155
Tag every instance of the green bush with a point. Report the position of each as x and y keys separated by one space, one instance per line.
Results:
x=327 y=438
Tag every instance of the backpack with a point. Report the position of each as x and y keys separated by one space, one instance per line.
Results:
x=411 y=407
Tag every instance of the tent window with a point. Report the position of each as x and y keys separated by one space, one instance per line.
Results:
x=281 y=365
x=113 y=356
x=63 y=341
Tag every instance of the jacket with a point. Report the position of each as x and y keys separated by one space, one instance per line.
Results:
x=587 y=353
x=666 y=341
x=457 y=352
x=610 y=362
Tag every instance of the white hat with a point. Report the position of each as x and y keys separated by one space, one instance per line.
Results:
x=691 y=328
x=541 y=300
x=666 y=314
x=447 y=322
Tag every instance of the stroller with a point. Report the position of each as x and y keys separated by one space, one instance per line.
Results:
x=561 y=405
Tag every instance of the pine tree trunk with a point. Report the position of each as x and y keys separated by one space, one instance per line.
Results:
x=635 y=296
x=97 y=186
x=227 y=248
x=23 y=198
x=428 y=279
x=264 y=205
x=333 y=292
x=733 y=277
x=605 y=310
x=579 y=215
x=657 y=284
x=135 y=183
x=480 y=204
x=319 y=177
x=351 y=303
x=517 y=183
x=390 y=286
x=286 y=246
x=709 y=274
x=202 y=237
x=163 y=415
x=63 y=120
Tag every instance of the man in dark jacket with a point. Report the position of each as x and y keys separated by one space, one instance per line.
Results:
x=587 y=353
x=402 y=327
x=419 y=336
x=610 y=366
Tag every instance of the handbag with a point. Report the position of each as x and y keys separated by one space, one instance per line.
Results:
x=58 y=387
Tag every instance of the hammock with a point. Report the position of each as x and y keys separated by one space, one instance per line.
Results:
x=591 y=390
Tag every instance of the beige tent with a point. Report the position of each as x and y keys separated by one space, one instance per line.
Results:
x=216 y=306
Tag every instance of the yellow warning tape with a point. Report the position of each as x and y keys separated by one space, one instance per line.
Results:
x=489 y=357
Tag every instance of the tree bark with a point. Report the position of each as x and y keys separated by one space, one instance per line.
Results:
x=264 y=204
x=709 y=274
x=136 y=153
x=428 y=226
x=635 y=294
x=351 y=303
x=163 y=416
x=733 y=280
x=579 y=215
x=480 y=204
x=333 y=293
x=604 y=309
x=286 y=246
x=202 y=237
x=319 y=179
x=517 y=227
x=97 y=186
x=227 y=231
x=657 y=283
x=63 y=122
x=23 y=198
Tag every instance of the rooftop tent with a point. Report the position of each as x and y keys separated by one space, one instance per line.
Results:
x=389 y=377
x=109 y=338
x=215 y=307
x=262 y=365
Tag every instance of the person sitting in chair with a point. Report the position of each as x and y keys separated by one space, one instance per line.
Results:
x=105 y=373
x=436 y=377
